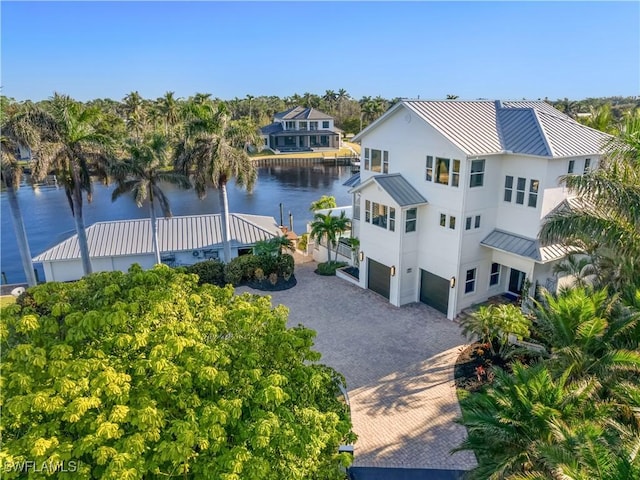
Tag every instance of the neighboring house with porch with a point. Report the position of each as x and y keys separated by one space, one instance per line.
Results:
x=452 y=194
x=184 y=240
x=301 y=129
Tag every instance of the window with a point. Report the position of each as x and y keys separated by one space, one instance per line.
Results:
x=290 y=126
x=508 y=188
x=572 y=164
x=313 y=125
x=452 y=222
x=533 y=193
x=429 y=176
x=380 y=215
x=442 y=171
x=470 y=281
x=494 y=277
x=522 y=183
x=385 y=162
x=467 y=223
x=587 y=164
x=392 y=219
x=410 y=223
x=477 y=173
x=356 y=207
x=376 y=160
x=302 y=125
x=476 y=223
x=367 y=211
x=266 y=142
x=325 y=124
x=366 y=158
x=443 y=220
x=455 y=173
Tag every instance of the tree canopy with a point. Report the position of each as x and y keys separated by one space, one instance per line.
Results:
x=148 y=375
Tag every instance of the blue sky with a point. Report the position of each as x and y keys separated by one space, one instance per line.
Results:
x=507 y=50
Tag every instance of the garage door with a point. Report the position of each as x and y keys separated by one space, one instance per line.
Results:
x=434 y=291
x=379 y=278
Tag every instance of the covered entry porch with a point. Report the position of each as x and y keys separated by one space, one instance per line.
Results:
x=301 y=141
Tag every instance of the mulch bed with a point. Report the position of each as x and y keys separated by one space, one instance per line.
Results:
x=266 y=286
x=473 y=369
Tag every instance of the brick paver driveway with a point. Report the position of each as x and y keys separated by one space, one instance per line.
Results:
x=398 y=363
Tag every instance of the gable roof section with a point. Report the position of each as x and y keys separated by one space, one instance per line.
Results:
x=523 y=247
x=485 y=127
x=271 y=128
x=175 y=234
x=397 y=187
x=302 y=113
x=353 y=180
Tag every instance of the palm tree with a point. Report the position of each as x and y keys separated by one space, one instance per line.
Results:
x=208 y=152
x=142 y=173
x=324 y=202
x=18 y=130
x=133 y=106
x=582 y=271
x=330 y=98
x=326 y=226
x=168 y=106
x=341 y=97
x=73 y=149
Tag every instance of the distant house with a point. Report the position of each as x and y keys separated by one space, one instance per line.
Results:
x=452 y=194
x=301 y=129
x=183 y=241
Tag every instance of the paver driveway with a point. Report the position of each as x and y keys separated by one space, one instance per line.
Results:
x=398 y=363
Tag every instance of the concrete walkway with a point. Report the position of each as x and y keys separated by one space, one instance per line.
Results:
x=398 y=363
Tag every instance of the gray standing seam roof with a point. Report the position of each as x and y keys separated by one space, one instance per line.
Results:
x=523 y=247
x=175 y=234
x=303 y=113
x=352 y=181
x=398 y=188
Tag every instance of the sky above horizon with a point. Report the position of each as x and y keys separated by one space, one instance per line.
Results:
x=507 y=50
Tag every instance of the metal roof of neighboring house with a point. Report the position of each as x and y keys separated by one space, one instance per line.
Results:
x=271 y=128
x=490 y=127
x=523 y=247
x=302 y=113
x=300 y=133
x=175 y=234
x=353 y=180
x=398 y=188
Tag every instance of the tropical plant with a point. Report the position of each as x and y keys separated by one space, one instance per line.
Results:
x=135 y=114
x=148 y=375
x=274 y=246
x=170 y=110
x=209 y=154
x=323 y=203
x=74 y=150
x=581 y=271
x=327 y=227
x=141 y=175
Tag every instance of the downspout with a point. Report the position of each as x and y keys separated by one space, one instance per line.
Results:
x=465 y=185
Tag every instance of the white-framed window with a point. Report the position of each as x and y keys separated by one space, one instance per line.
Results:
x=477 y=173
x=356 y=207
x=411 y=220
x=367 y=157
x=367 y=211
x=313 y=125
x=380 y=215
x=325 y=124
x=442 y=171
x=534 y=185
x=392 y=219
x=290 y=125
x=476 y=221
x=378 y=160
x=443 y=220
x=455 y=173
x=508 y=188
x=520 y=188
x=572 y=164
x=467 y=223
x=470 y=281
x=452 y=222
x=494 y=276
x=385 y=162
x=429 y=175
x=587 y=165
x=472 y=222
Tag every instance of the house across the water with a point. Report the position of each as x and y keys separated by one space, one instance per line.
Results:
x=184 y=240
x=301 y=129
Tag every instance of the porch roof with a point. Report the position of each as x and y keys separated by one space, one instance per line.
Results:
x=353 y=180
x=523 y=247
x=397 y=187
x=301 y=133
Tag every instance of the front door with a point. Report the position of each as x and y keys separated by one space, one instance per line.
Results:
x=516 y=281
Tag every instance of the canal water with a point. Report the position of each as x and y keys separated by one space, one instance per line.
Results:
x=48 y=218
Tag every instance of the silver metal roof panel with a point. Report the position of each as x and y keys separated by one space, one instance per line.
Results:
x=523 y=247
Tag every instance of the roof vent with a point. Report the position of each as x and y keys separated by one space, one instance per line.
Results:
x=498 y=104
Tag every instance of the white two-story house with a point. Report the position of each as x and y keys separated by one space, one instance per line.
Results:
x=452 y=195
x=301 y=129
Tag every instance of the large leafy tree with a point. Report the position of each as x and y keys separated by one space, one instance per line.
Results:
x=329 y=227
x=142 y=175
x=211 y=154
x=148 y=375
x=74 y=149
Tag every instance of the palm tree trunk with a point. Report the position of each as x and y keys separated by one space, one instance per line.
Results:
x=328 y=250
x=154 y=228
x=83 y=244
x=226 y=228
x=21 y=236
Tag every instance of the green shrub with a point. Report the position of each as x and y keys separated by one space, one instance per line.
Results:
x=259 y=274
x=329 y=268
x=209 y=271
x=284 y=265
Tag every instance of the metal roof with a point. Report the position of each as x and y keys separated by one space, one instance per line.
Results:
x=175 y=234
x=302 y=113
x=353 y=180
x=271 y=128
x=398 y=188
x=523 y=247
x=490 y=127
x=300 y=133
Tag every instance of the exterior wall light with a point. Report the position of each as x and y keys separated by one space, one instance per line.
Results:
x=393 y=270
x=452 y=282
x=361 y=256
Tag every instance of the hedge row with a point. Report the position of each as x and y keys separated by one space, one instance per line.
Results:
x=242 y=269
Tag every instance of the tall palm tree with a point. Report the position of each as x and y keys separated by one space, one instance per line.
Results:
x=341 y=97
x=73 y=148
x=142 y=173
x=582 y=270
x=134 y=111
x=168 y=106
x=208 y=152
x=329 y=228
x=330 y=98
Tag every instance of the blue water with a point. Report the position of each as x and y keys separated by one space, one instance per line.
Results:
x=48 y=217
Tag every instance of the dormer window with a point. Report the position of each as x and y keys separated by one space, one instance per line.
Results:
x=290 y=125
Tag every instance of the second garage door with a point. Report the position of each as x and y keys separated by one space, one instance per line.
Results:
x=434 y=291
x=379 y=278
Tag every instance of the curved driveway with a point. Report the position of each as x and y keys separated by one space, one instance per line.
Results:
x=398 y=363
